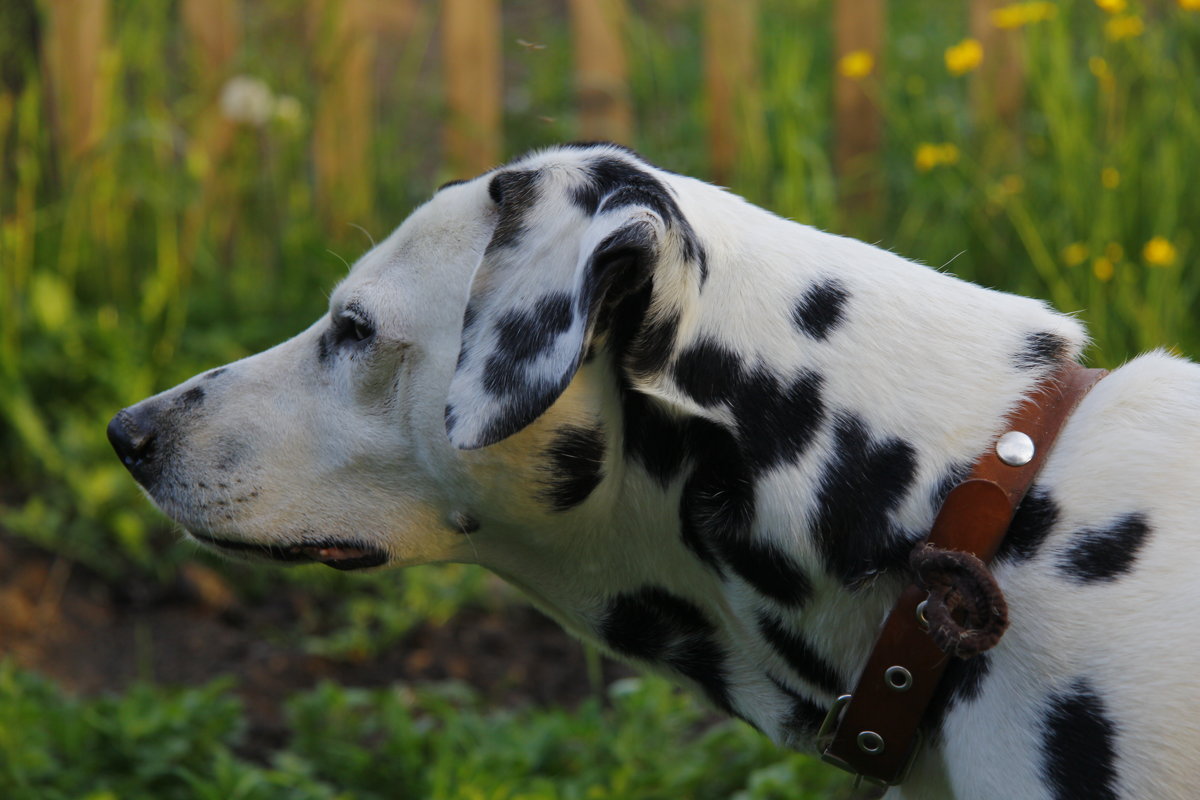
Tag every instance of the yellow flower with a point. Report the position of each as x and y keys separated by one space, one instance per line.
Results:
x=929 y=155
x=926 y=157
x=1159 y=252
x=1119 y=28
x=1075 y=254
x=1112 y=6
x=1099 y=68
x=1012 y=184
x=856 y=64
x=964 y=56
x=1020 y=14
x=1110 y=178
x=1114 y=252
x=1103 y=269
x=1190 y=5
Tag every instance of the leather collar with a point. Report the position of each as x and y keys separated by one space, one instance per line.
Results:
x=874 y=731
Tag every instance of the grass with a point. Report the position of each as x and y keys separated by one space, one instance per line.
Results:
x=182 y=239
x=438 y=743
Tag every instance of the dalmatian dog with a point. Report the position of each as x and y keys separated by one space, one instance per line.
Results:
x=706 y=439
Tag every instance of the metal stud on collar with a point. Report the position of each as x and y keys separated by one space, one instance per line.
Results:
x=870 y=742
x=1015 y=449
x=898 y=678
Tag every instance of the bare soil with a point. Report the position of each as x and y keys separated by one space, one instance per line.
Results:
x=90 y=636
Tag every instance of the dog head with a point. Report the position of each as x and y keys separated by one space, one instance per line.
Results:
x=445 y=387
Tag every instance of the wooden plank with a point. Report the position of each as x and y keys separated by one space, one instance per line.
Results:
x=344 y=54
x=215 y=29
x=601 y=70
x=732 y=86
x=998 y=86
x=74 y=44
x=858 y=122
x=472 y=71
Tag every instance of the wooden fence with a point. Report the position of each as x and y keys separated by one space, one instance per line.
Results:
x=472 y=66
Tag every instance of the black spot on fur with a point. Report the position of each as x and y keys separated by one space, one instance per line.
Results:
x=716 y=507
x=208 y=376
x=652 y=436
x=767 y=568
x=614 y=183
x=617 y=290
x=324 y=347
x=804 y=660
x=574 y=468
x=651 y=349
x=524 y=405
x=1103 y=554
x=709 y=373
x=1041 y=349
x=1031 y=524
x=470 y=317
x=863 y=483
x=803 y=718
x=961 y=682
x=190 y=399
x=775 y=421
x=1079 y=746
x=821 y=308
x=448 y=184
x=521 y=336
x=717 y=516
x=654 y=625
x=515 y=192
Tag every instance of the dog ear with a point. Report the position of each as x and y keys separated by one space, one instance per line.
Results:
x=536 y=299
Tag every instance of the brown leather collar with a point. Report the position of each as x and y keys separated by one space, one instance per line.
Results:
x=873 y=731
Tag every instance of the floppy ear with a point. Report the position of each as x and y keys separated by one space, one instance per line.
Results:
x=535 y=302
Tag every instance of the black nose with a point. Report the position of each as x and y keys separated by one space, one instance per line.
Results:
x=132 y=436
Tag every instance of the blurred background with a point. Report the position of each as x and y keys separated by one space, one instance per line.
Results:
x=182 y=182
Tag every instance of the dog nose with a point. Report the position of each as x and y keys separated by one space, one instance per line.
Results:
x=132 y=435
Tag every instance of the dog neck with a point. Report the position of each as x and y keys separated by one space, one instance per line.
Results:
x=756 y=496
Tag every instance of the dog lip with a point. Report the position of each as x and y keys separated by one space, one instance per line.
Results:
x=339 y=554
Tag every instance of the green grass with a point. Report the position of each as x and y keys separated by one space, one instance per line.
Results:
x=146 y=261
x=436 y=743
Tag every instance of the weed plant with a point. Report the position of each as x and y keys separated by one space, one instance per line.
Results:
x=432 y=743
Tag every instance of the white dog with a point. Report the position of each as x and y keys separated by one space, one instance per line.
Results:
x=706 y=439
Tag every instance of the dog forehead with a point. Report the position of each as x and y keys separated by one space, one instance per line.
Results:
x=431 y=255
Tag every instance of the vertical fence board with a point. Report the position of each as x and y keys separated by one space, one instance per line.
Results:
x=472 y=71
x=601 y=70
x=998 y=87
x=74 y=45
x=345 y=53
x=858 y=122
x=216 y=32
x=735 y=108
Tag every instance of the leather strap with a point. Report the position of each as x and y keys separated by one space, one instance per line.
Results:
x=874 y=730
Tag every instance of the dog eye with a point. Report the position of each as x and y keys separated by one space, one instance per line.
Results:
x=353 y=329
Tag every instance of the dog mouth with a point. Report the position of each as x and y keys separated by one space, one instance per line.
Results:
x=339 y=554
